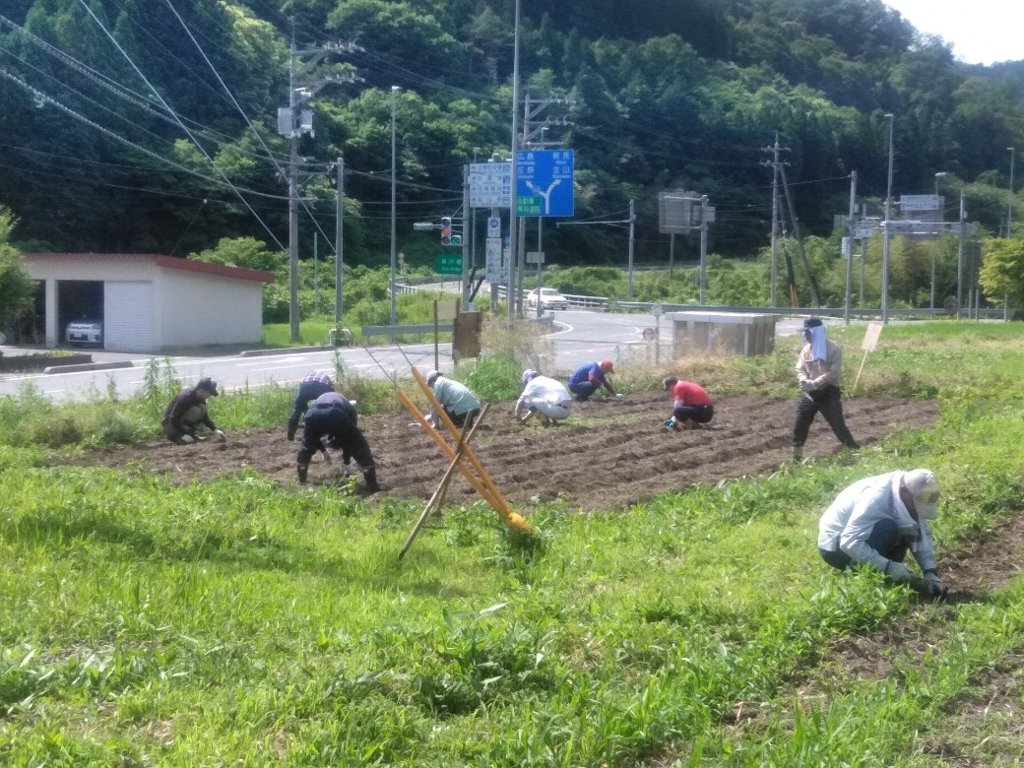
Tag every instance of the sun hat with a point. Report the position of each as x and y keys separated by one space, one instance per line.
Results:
x=432 y=377
x=924 y=488
x=528 y=375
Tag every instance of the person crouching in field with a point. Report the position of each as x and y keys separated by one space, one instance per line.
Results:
x=187 y=412
x=877 y=520
x=457 y=400
x=691 y=405
x=542 y=396
x=589 y=378
x=334 y=417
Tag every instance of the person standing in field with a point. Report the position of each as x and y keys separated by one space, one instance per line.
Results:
x=544 y=397
x=333 y=417
x=457 y=400
x=876 y=521
x=187 y=412
x=819 y=368
x=590 y=377
x=691 y=404
x=311 y=386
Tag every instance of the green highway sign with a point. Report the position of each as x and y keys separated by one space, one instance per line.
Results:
x=529 y=205
x=448 y=264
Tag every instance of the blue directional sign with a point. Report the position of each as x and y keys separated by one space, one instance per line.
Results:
x=544 y=182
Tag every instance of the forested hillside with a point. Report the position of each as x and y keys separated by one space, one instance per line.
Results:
x=133 y=125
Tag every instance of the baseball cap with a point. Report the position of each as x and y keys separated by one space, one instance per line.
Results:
x=669 y=381
x=528 y=375
x=432 y=377
x=607 y=366
x=924 y=488
x=209 y=385
x=812 y=322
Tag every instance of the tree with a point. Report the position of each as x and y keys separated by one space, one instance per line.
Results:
x=17 y=288
x=1002 y=271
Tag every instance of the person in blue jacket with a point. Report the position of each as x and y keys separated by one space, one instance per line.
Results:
x=590 y=377
x=333 y=417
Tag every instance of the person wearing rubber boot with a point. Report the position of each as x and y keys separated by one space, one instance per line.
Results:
x=876 y=521
x=819 y=368
x=333 y=417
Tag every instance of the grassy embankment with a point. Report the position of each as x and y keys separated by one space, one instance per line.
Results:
x=236 y=622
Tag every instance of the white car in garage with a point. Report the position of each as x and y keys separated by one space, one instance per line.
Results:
x=84 y=332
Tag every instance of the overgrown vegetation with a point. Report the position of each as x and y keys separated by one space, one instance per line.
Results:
x=240 y=622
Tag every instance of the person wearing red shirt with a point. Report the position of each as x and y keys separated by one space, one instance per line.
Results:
x=691 y=406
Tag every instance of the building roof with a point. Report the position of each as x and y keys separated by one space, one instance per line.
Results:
x=164 y=262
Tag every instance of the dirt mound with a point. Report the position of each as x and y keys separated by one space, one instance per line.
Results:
x=607 y=456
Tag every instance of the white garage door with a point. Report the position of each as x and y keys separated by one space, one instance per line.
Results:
x=128 y=316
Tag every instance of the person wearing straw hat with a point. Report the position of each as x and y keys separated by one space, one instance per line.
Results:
x=819 y=368
x=877 y=520
x=544 y=397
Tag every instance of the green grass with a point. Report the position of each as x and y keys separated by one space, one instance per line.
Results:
x=236 y=622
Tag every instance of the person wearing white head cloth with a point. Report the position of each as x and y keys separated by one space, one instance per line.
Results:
x=545 y=396
x=819 y=368
x=877 y=520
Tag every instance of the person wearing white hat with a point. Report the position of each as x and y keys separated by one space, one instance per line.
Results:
x=544 y=396
x=819 y=368
x=457 y=400
x=877 y=520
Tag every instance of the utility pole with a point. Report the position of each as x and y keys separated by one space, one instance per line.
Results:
x=852 y=228
x=514 y=202
x=776 y=164
x=339 y=245
x=960 y=257
x=632 y=239
x=885 y=227
x=305 y=80
x=467 y=236
x=811 y=282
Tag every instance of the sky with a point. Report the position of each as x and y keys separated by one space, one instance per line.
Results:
x=981 y=31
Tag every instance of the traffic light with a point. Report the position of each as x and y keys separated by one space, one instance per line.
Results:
x=446 y=230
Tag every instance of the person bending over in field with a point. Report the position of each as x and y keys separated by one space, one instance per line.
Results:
x=544 y=397
x=589 y=378
x=311 y=386
x=691 y=405
x=877 y=520
x=457 y=400
x=187 y=412
x=333 y=417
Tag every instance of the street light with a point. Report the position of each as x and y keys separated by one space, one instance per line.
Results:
x=394 y=255
x=885 y=228
x=942 y=218
x=1009 y=202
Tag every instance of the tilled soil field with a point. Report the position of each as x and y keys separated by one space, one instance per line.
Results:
x=606 y=456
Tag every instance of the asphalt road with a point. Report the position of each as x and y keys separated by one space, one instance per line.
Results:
x=576 y=337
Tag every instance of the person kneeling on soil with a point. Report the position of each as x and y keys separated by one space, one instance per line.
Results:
x=691 y=405
x=545 y=396
x=876 y=520
x=187 y=412
x=334 y=417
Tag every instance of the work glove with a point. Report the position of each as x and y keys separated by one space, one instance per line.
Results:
x=186 y=439
x=620 y=396
x=936 y=586
x=221 y=437
x=806 y=386
x=291 y=432
x=897 y=572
